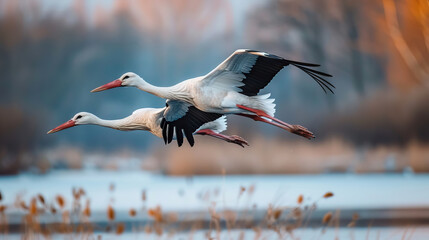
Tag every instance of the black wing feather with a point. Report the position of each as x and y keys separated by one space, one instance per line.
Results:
x=266 y=67
x=188 y=124
x=190 y=138
x=262 y=72
x=179 y=137
x=164 y=130
x=170 y=132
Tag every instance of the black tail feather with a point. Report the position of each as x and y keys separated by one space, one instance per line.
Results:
x=316 y=75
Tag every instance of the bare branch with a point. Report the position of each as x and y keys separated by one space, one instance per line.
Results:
x=400 y=43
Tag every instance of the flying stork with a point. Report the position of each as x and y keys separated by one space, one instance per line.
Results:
x=149 y=119
x=230 y=88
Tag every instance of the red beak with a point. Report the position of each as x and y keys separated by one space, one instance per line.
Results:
x=68 y=124
x=113 y=84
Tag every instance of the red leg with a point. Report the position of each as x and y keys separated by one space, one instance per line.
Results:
x=231 y=139
x=295 y=129
x=261 y=113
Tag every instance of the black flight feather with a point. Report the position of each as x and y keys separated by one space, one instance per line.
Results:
x=188 y=124
x=267 y=66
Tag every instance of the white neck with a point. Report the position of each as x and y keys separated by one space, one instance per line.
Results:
x=176 y=92
x=124 y=124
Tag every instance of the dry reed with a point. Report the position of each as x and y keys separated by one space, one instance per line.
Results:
x=327 y=217
x=23 y=205
x=60 y=200
x=33 y=207
x=87 y=209
x=41 y=199
x=328 y=195
x=132 y=212
x=66 y=217
x=110 y=213
x=275 y=220
x=155 y=213
x=300 y=199
x=277 y=214
x=355 y=217
x=144 y=197
x=53 y=209
x=120 y=228
x=148 y=229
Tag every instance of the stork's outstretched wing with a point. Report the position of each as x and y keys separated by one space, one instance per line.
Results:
x=251 y=71
x=183 y=118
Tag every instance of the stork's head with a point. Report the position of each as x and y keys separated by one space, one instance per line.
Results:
x=128 y=79
x=78 y=119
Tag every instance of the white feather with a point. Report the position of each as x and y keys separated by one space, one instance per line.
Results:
x=217 y=126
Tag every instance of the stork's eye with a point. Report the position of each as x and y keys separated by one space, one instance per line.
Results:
x=125 y=77
x=80 y=116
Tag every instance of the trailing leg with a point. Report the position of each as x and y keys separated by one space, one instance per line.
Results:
x=295 y=129
x=231 y=139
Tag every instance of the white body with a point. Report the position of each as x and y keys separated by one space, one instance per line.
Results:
x=146 y=119
x=218 y=97
x=216 y=92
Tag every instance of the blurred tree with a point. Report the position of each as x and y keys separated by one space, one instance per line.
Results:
x=18 y=137
x=352 y=16
x=293 y=29
x=411 y=36
x=50 y=59
x=180 y=27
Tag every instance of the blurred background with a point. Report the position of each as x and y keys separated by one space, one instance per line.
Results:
x=372 y=137
x=52 y=53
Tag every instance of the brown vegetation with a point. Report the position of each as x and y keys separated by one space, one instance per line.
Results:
x=132 y=212
x=282 y=220
x=385 y=118
x=328 y=195
x=276 y=156
x=327 y=218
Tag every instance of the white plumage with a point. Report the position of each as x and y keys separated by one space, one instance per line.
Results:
x=149 y=119
x=230 y=88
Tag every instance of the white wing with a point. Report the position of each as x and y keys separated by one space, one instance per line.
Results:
x=249 y=71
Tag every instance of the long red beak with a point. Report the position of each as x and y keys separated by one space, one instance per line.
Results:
x=112 y=84
x=68 y=124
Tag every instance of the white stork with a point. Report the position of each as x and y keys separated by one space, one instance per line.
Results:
x=149 y=119
x=230 y=88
